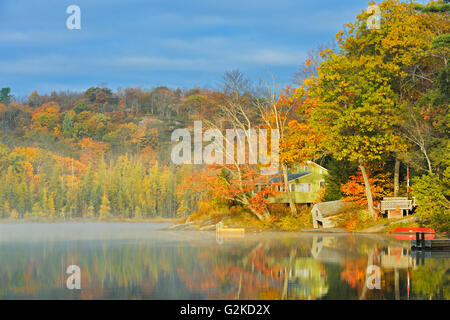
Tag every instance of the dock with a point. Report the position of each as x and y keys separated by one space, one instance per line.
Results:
x=231 y=230
x=221 y=229
x=423 y=244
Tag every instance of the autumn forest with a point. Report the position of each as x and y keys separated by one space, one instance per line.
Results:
x=368 y=108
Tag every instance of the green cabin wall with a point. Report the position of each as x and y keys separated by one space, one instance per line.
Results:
x=317 y=175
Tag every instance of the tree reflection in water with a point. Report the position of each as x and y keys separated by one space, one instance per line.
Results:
x=132 y=262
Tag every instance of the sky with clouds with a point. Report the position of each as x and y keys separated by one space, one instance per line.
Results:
x=147 y=43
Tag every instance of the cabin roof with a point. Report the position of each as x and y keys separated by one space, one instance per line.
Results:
x=330 y=208
x=312 y=162
x=291 y=176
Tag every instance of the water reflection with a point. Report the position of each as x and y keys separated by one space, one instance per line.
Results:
x=136 y=261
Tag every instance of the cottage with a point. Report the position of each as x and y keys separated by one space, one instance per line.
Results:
x=325 y=213
x=304 y=184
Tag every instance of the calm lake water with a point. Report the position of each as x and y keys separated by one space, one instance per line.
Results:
x=137 y=261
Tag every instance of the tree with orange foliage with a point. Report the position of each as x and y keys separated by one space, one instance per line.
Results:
x=46 y=116
x=354 y=189
x=354 y=273
x=92 y=150
x=249 y=188
x=2 y=110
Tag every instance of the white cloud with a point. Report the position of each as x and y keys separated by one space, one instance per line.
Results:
x=171 y=19
x=47 y=64
x=159 y=63
x=13 y=36
x=215 y=61
x=274 y=57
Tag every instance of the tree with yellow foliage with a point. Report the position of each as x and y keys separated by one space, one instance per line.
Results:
x=105 y=209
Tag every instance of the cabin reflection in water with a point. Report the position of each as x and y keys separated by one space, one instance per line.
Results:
x=396 y=262
x=397 y=258
x=307 y=280
x=392 y=260
x=136 y=261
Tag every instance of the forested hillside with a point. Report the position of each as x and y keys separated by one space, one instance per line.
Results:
x=368 y=109
x=96 y=153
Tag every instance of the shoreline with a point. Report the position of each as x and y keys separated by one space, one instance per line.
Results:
x=180 y=224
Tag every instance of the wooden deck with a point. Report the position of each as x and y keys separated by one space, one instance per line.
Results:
x=231 y=230
x=396 y=207
x=421 y=243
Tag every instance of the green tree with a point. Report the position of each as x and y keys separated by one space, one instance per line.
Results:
x=81 y=107
x=67 y=125
x=444 y=39
x=339 y=173
x=5 y=96
x=51 y=206
x=356 y=110
x=433 y=194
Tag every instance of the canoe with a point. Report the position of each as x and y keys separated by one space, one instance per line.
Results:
x=414 y=230
x=406 y=236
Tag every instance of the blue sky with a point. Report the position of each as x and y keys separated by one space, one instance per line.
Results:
x=147 y=43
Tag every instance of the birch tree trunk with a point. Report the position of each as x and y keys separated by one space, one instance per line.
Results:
x=396 y=177
x=368 y=190
x=369 y=262
x=288 y=191
x=287 y=272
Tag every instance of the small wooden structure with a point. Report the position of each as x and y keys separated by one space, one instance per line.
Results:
x=325 y=213
x=396 y=207
x=221 y=229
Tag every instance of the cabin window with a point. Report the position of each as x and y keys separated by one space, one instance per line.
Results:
x=322 y=184
x=303 y=187
x=300 y=187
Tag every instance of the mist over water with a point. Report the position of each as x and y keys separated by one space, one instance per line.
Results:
x=140 y=261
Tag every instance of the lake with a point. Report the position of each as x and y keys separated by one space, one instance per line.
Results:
x=138 y=261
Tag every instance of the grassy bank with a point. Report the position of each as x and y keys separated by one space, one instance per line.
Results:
x=236 y=216
x=352 y=219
